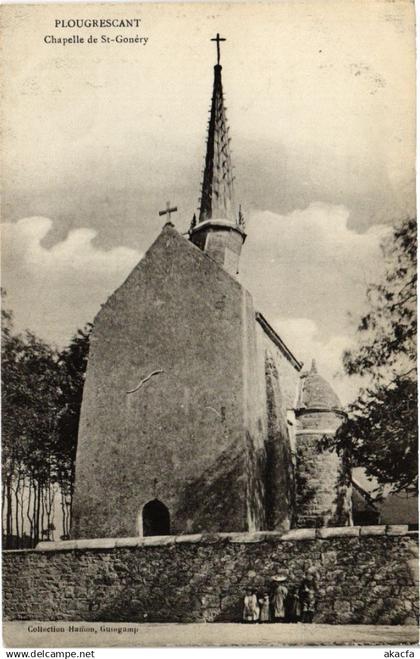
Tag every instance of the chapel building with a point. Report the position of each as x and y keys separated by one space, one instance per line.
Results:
x=196 y=416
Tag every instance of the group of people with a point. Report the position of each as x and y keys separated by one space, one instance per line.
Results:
x=283 y=604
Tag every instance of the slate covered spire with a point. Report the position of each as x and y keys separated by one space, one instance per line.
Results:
x=217 y=195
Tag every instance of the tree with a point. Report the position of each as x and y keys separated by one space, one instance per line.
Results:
x=381 y=428
x=41 y=394
x=73 y=363
x=30 y=405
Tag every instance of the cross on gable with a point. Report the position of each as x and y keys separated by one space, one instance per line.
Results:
x=168 y=210
x=218 y=39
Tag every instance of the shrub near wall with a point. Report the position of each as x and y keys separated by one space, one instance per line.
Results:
x=365 y=575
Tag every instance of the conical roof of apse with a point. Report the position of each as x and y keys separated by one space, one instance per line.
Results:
x=217 y=194
x=317 y=393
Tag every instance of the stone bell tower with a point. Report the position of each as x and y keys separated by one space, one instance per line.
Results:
x=323 y=478
x=220 y=228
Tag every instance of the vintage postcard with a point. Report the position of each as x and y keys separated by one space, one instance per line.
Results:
x=209 y=324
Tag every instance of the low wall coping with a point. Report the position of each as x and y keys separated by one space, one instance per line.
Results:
x=299 y=535
x=339 y=532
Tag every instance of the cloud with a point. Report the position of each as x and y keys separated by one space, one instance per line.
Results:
x=305 y=126
x=309 y=264
x=57 y=290
x=308 y=273
x=303 y=336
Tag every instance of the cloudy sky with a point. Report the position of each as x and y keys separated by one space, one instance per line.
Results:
x=320 y=99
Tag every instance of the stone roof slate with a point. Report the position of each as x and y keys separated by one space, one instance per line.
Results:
x=317 y=393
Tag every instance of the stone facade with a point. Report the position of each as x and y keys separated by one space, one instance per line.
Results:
x=191 y=401
x=191 y=435
x=363 y=574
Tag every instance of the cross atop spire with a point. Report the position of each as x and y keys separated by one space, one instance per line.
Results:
x=218 y=39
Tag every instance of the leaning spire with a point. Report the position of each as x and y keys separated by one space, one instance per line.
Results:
x=217 y=195
x=219 y=229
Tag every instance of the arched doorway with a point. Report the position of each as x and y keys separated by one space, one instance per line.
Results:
x=155 y=518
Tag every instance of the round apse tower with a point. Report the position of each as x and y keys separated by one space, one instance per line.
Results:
x=323 y=477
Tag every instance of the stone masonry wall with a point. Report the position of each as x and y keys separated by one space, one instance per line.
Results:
x=322 y=483
x=280 y=380
x=364 y=575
